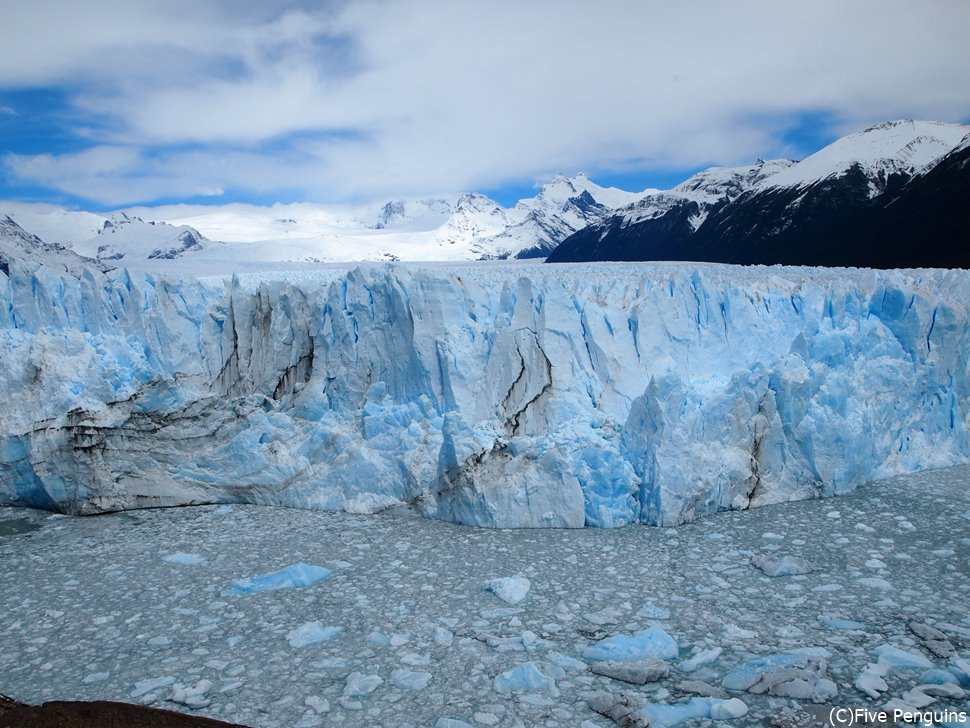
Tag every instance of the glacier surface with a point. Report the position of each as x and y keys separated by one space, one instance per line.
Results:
x=504 y=395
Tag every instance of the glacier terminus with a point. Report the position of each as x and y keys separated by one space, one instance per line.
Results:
x=499 y=394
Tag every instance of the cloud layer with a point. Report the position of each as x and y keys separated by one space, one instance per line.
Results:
x=369 y=98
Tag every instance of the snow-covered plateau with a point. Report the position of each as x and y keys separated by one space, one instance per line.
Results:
x=506 y=395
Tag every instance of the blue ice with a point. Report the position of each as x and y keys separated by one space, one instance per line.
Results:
x=311 y=633
x=289 y=577
x=748 y=673
x=664 y=716
x=525 y=678
x=896 y=657
x=653 y=642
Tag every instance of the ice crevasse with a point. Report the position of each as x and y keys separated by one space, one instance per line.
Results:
x=503 y=395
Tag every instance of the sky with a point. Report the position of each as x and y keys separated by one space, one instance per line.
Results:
x=106 y=104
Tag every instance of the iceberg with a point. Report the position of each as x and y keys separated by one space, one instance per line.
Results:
x=289 y=577
x=502 y=395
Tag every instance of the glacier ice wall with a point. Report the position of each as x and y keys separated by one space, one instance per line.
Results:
x=493 y=395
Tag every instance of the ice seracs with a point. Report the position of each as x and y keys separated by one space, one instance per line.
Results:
x=505 y=395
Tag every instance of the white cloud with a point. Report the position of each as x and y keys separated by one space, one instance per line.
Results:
x=373 y=98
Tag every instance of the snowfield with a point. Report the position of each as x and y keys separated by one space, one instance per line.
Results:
x=634 y=623
x=504 y=395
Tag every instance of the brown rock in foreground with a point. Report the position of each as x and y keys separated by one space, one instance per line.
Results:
x=98 y=714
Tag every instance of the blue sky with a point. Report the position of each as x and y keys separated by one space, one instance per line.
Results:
x=104 y=105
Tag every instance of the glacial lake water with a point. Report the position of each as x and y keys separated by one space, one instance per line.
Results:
x=139 y=606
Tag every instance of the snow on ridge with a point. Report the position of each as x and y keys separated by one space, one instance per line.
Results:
x=906 y=146
x=468 y=226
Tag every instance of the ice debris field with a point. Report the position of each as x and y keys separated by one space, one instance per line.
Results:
x=285 y=618
x=502 y=395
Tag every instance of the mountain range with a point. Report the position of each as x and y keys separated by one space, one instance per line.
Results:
x=892 y=195
x=895 y=195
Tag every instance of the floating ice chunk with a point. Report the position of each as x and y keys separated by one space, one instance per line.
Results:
x=751 y=672
x=728 y=709
x=782 y=565
x=510 y=589
x=653 y=642
x=699 y=687
x=290 y=577
x=193 y=696
x=947 y=690
x=828 y=588
x=896 y=657
x=923 y=695
x=636 y=673
x=701 y=658
x=652 y=611
x=358 y=684
x=317 y=704
x=661 y=715
x=443 y=637
x=871 y=680
x=552 y=670
x=525 y=678
x=451 y=723
x=621 y=708
x=143 y=687
x=936 y=676
x=227 y=686
x=96 y=677
x=570 y=664
x=182 y=558
x=961 y=671
x=848 y=624
x=222 y=510
x=378 y=638
x=410 y=680
x=733 y=631
x=311 y=633
x=874 y=582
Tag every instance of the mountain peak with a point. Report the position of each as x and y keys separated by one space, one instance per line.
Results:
x=904 y=146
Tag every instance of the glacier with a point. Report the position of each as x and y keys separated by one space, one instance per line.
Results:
x=501 y=394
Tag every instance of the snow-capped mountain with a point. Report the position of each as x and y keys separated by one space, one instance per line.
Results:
x=125 y=238
x=474 y=226
x=563 y=206
x=880 y=152
x=771 y=211
x=18 y=244
x=469 y=226
x=821 y=211
x=665 y=214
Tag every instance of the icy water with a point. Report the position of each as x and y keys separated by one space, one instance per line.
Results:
x=91 y=609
